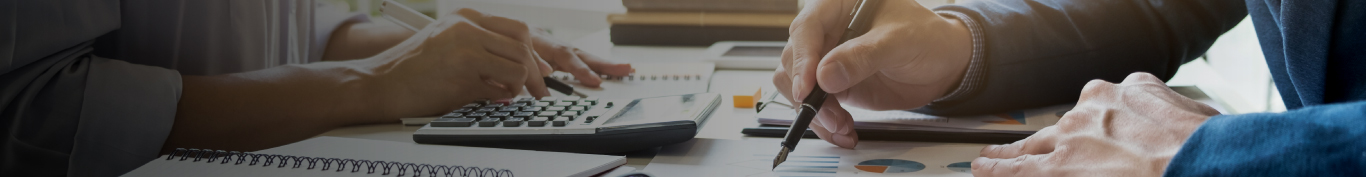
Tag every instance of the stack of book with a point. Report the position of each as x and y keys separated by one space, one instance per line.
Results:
x=702 y=22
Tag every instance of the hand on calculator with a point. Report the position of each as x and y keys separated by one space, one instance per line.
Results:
x=586 y=67
x=464 y=57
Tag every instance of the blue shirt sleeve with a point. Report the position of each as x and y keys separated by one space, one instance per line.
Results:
x=1325 y=140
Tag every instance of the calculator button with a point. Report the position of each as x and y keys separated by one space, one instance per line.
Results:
x=524 y=114
x=493 y=105
x=537 y=122
x=509 y=109
x=548 y=113
x=531 y=108
x=578 y=108
x=464 y=110
x=555 y=108
x=453 y=115
x=519 y=104
x=591 y=102
x=565 y=118
x=452 y=122
x=544 y=103
x=567 y=102
x=488 y=122
x=525 y=99
x=500 y=114
x=473 y=105
x=478 y=114
x=486 y=110
x=559 y=123
x=513 y=122
x=573 y=113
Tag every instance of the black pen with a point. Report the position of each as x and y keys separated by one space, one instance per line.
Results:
x=556 y=85
x=860 y=23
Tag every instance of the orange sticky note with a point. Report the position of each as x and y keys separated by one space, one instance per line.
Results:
x=747 y=101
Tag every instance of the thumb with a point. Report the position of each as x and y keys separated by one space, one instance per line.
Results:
x=850 y=63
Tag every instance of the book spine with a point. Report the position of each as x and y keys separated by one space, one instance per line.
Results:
x=692 y=35
x=769 y=6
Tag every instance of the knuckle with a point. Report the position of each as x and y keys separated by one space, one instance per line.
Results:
x=1096 y=86
x=1144 y=76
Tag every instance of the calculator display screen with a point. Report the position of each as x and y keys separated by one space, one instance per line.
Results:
x=658 y=108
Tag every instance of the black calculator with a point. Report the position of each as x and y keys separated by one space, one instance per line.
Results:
x=573 y=124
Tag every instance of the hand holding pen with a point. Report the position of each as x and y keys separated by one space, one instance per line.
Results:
x=860 y=22
x=909 y=57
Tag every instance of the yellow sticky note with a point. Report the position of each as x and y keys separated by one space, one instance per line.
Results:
x=747 y=101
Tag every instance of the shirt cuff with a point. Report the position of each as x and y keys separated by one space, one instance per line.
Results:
x=126 y=115
x=326 y=21
x=972 y=80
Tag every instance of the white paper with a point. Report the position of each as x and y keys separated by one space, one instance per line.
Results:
x=813 y=158
x=1024 y=122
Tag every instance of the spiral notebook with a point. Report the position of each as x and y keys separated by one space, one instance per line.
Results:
x=334 y=156
x=649 y=80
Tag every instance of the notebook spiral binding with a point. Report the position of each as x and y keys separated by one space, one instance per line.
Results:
x=385 y=168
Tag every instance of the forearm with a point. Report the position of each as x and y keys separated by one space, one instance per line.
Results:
x=262 y=109
x=358 y=40
x=1038 y=53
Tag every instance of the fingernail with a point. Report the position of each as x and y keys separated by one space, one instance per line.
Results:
x=797 y=93
x=830 y=125
x=839 y=76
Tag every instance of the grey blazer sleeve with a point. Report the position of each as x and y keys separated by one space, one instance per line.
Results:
x=73 y=114
x=1041 y=52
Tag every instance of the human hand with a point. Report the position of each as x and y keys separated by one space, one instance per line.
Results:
x=910 y=57
x=461 y=58
x=584 y=66
x=1130 y=129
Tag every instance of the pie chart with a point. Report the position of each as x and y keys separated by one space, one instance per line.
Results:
x=890 y=166
x=965 y=167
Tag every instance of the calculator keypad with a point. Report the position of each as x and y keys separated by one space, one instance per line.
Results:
x=519 y=112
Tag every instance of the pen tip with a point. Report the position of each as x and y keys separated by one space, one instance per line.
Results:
x=782 y=156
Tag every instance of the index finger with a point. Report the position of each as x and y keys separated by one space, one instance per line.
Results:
x=1039 y=143
x=1027 y=165
x=815 y=31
